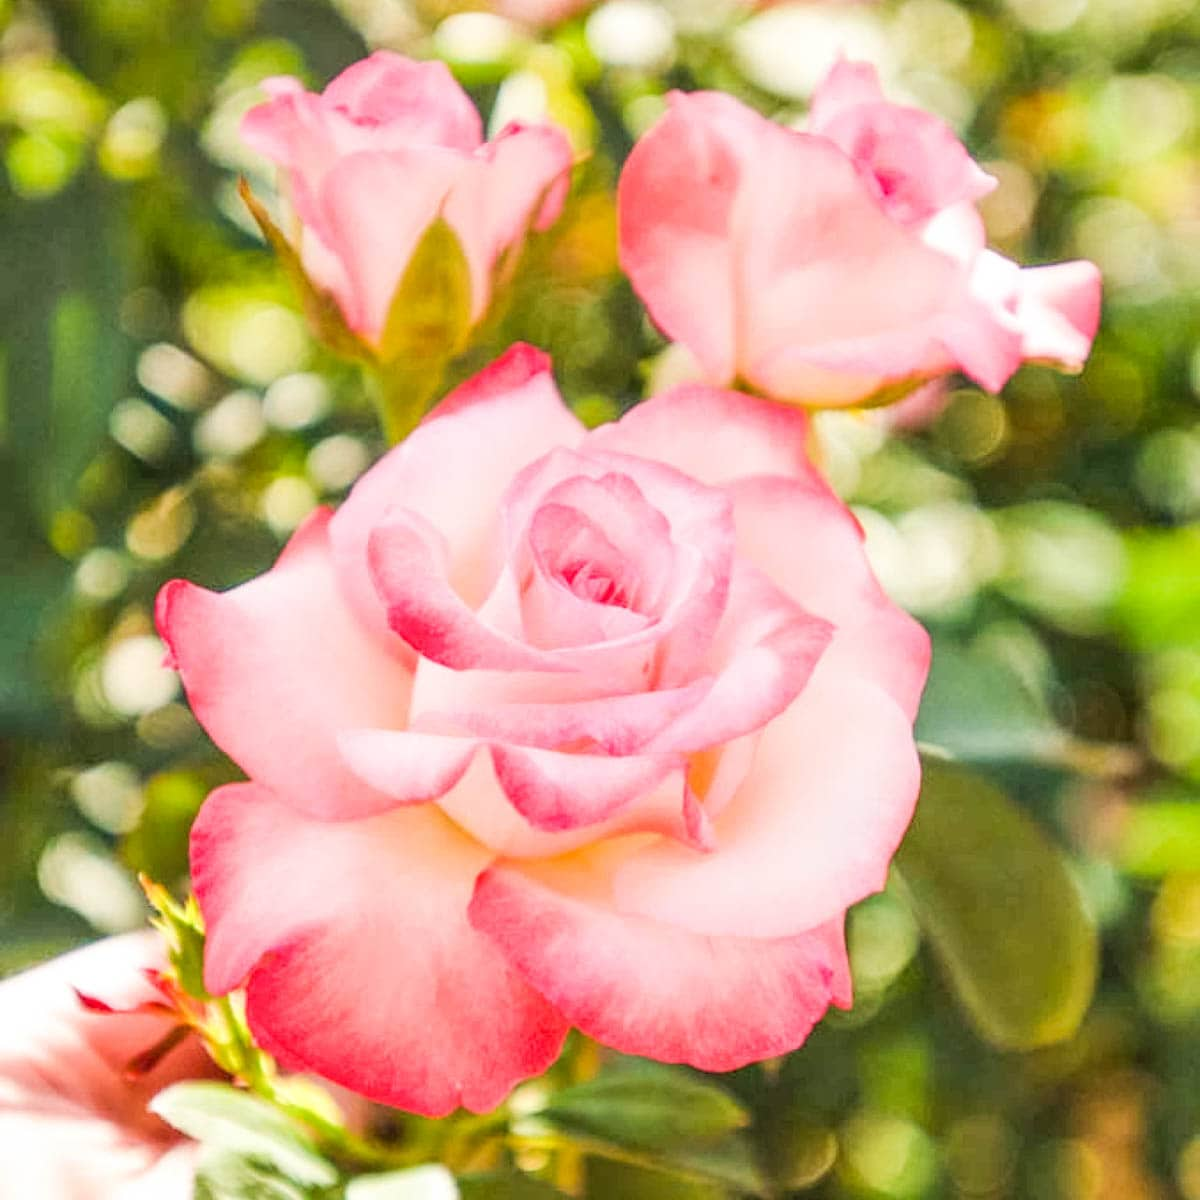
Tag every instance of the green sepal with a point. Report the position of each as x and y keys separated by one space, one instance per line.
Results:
x=1000 y=909
x=182 y=928
x=323 y=312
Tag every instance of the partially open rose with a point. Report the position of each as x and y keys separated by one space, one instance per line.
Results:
x=390 y=145
x=838 y=265
x=546 y=728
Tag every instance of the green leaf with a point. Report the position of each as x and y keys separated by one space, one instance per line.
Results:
x=323 y=312
x=182 y=928
x=226 y=1176
x=506 y=1185
x=430 y=311
x=647 y=1106
x=1000 y=909
x=1161 y=834
x=979 y=710
x=233 y=1121
x=431 y=1182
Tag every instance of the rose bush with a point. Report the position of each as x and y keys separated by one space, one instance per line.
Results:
x=372 y=161
x=73 y=1126
x=547 y=727
x=830 y=266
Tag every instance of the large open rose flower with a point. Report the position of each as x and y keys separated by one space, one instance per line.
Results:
x=832 y=266
x=547 y=728
x=73 y=1124
x=373 y=160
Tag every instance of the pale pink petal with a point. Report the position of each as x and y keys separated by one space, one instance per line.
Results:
x=648 y=988
x=915 y=161
x=410 y=767
x=620 y=724
x=810 y=831
x=1058 y=311
x=374 y=208
x=275 y=668
x=837 y=298
x=762 y=656
x=358 y=957
x=516 y=183
x=419 y=101
x=712 y=435
x=675 y=202
x=825 y=570
x=559 y=791
x=553 y=791
x=409 y=564
x=472 y=444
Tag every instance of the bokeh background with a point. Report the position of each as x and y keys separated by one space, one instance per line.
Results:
x=164 y=412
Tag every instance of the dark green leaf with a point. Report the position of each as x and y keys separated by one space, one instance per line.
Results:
x=1000 y=909
x=230 y=1120
x=497 y=1185
x=648 y=1106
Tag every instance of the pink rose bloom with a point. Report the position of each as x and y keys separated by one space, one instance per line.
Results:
x=373 y=160
x=73 y=1126
x=547 y=728
x=822 y=267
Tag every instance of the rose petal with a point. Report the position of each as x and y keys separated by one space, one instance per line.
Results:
x=472 y=444
x=648 y=988
x=712 y=435
x=811 y=830
x=828 y=575
x=374 y=207
x=517 y=183
x=408 y=560
x=420 y=101
x=359 y=957
x=274 y=668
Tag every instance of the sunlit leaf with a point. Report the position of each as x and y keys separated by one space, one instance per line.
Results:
x=227 y=1119
x=1000 y=909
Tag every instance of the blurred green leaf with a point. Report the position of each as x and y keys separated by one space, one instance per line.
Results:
x=157 y=846
x=1000 y=909
x=1159 y=605
x=647 y=1106
x=432 y=1182
x=220 y=1116
x=226 y=1176
x=981 y=711
x=509 y=1185
x=1160 y=837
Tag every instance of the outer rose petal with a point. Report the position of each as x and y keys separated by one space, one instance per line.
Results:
x=72 y=1127
x=274 y=668
x=712 y=435
x=470 y=445
x=648 y=988
x=1058 y=310
x=361 y=963
x=374 y=207
x=517 y=182
x=420 y=98
x=806 y=541
x=675 y=202
x=915 y=159
x=811 y=830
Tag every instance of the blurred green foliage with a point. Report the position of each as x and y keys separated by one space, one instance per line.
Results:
x=164 y=411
